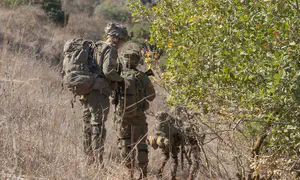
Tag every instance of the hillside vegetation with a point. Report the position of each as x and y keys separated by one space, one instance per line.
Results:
x=233 y=64
x=238 y=61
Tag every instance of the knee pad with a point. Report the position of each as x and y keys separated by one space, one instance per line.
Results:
x=143 y=158
x=142 y=147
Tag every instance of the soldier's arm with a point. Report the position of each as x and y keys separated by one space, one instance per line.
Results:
x=150 y=91
x=110 y=65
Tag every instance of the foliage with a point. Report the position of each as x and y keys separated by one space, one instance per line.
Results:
x=141 y=31
x=116 y=12
x=54 y=10
x=237 y=59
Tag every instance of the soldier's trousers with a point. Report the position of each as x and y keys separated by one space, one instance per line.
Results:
x=140 y=135
x=173 y=151
x=194 y=154
x=95 y=111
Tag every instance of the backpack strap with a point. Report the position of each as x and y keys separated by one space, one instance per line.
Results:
x=102 y=47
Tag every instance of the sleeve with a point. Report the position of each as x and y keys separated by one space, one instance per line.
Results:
x=149 y=89
x=110 y=64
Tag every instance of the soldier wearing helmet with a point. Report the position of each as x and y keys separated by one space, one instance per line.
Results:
x=171 y=133
x=132 y=104
x=96 y=104
x=168 y=138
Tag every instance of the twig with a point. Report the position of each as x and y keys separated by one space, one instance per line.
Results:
x=297 y=5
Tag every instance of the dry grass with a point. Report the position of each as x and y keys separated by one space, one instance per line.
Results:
x=82 y=25
x=40 y=134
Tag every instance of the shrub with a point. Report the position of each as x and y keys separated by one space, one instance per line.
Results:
x=28 y=28
x=141 y=31
x=54 y=11
x=114 y=12
x=237 y=60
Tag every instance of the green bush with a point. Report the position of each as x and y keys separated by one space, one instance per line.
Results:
x=112 y=11
x=54 y=11
x=236 y=59
x=141 y=32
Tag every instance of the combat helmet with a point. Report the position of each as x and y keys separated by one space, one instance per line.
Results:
x=130 y=55
x=116 y=30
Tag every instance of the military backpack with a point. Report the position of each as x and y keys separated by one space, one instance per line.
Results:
x=78 y=66
x=132 y=99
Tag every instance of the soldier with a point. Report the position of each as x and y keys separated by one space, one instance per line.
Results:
x=169 y=138
x=133 y=102
x=193 y=153
x=96 y=103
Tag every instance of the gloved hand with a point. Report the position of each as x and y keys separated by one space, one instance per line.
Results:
x=151 y=140
x=162 y=142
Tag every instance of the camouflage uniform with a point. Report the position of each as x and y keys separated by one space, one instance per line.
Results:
x=173 y=150
x=96 y=103
x=140 y=135
x=136 y=123
x=194 y=155
x=193 y=142
x=164 y=127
